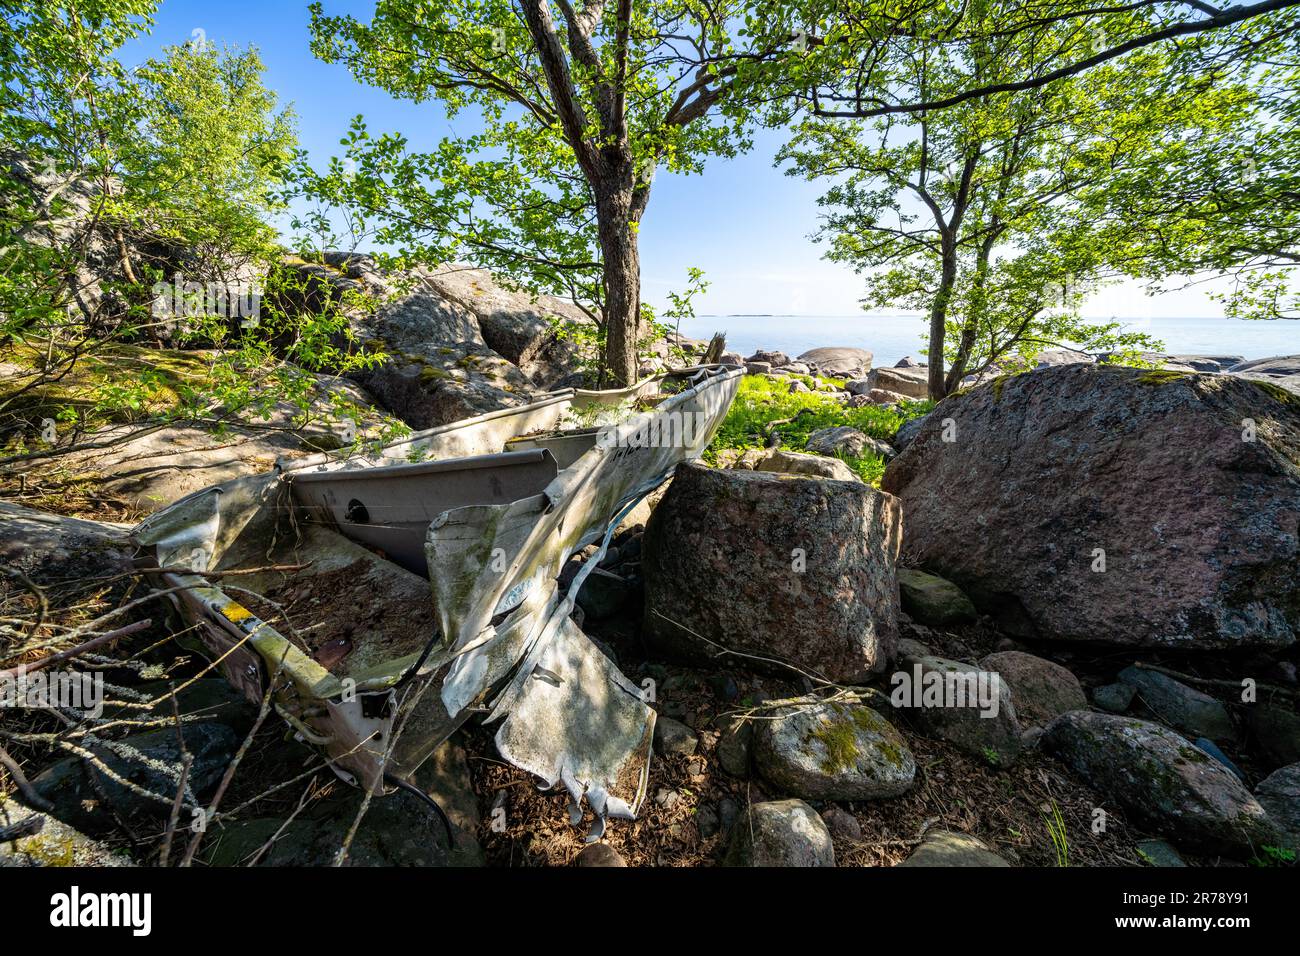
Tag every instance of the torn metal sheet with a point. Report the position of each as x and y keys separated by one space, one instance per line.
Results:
x=490 y=509
x=579 y=722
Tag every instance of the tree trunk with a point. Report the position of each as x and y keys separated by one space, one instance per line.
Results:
x=978 y=302
x=617 y=216
x=939 y=317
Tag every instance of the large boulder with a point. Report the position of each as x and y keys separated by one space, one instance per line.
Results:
x=932 y=600
x=1281 y=370
x=909 y=382
x=63 y=209
x=1279 y=793
x=774 y=359
x=1184 y=708
x=1041 y=690
x=781 y=833
x=1160 y=779
x=776 y=566
x=72 y=559
x=1070 y=505
x=838 y=362
x=144 y=471
x=909 y=430
x=438 y=367
x=960 y=703
x=835 y=751
x=532 y=331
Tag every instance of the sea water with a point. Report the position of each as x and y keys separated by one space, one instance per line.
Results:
x=890 y=337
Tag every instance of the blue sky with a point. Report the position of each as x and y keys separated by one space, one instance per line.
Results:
x=743 y=222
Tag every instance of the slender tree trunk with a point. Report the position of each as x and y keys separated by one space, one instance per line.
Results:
x=939 y=317
x=617 y=214
x=978 y=303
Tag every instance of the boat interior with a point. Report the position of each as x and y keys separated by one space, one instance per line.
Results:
x=357 y=600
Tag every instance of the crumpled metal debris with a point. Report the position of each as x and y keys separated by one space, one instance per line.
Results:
x=506 y=644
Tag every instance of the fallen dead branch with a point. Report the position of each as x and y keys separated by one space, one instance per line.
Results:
x=92 y=644
x=25 y=828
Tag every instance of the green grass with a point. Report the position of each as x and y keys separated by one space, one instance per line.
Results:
x=762 y=400
x=1056 y=830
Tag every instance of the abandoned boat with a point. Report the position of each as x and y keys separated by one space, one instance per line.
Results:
x=465 y=528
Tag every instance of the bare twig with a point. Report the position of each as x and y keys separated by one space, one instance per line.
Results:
x=187 y=760
x=29 y=794
x=42 y=602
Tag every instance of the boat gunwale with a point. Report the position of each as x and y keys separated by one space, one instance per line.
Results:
x=419 y=468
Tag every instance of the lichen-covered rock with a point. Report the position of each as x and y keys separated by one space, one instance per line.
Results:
x=793 y=568
x=151 y=761
x=909 y=430
x=1181 y=707
x=945 y=848
x=838 y=361
x=780 y=833
x=1279 y=793
x=797 y=463
x=438 y=367
x=53 y=844
x=1069 y=504
x=933 y=600
x=1162 y=780
x=960 y=703
x=837 y=751
x=1041 y=690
